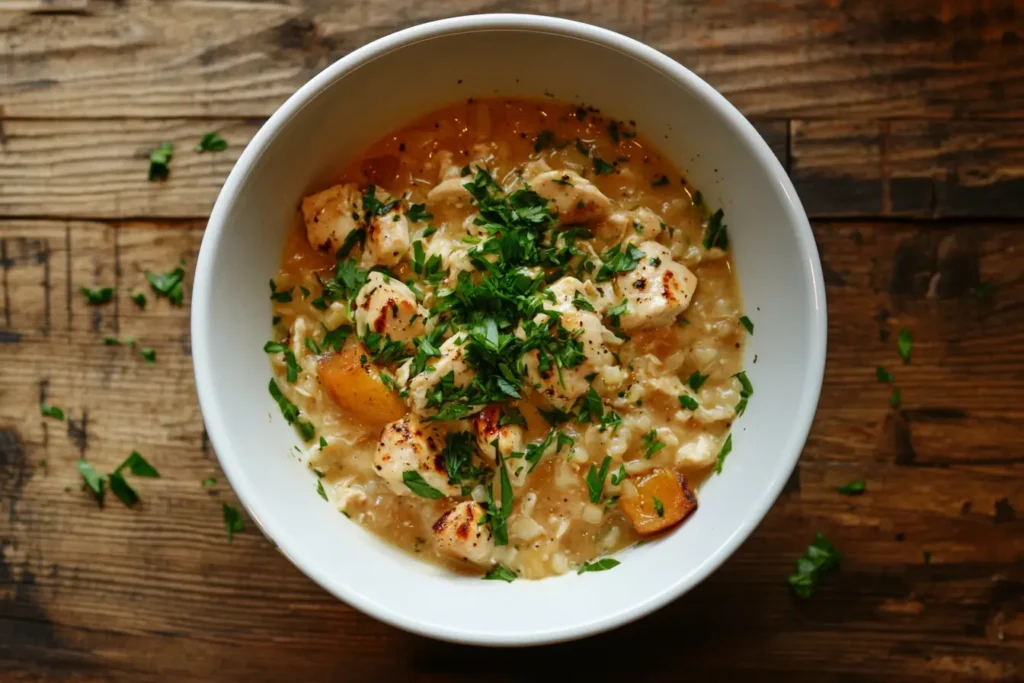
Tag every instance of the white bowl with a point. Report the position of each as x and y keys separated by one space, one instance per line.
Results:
x=388 y=83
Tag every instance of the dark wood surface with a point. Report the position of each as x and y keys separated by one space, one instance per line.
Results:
x=902 y=125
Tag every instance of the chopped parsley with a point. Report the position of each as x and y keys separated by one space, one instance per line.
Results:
x=616 y=312
x=418 y=213
x=581 y=149
x=96 y=297
x=904 y=343
x=895 y=398
x=139 y=298
x=746 y=391
x=138 y=466
x=543 y=140
x=819 y=559
x=233 y=523
x=582 y=304
x=688 y=402
x=696 y=380
x=51 y=411
x=500 y=572
x=209 y=481
x=659 y=507
x=746 y=322
x=591 y=407
x=92 y=479
x=418 y=485
x=651 y=443
x=160 y=160
x=122 y=489
x=320 y=489
x=323 y=443
x=596 y=478
x=497 y=516
x=619 y=259
x=716 y=236
x=601 y=565
x=619 y=476
x=290 y=411
x=602 y=167
x=335 y=339
x=884 y=375
x=854 y=488
x=211 y=142
x=169 y=284
x=149 y=355
x=723 y=453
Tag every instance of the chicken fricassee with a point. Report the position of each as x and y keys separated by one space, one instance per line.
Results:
x=511 y=337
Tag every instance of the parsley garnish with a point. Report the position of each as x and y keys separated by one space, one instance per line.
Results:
x=716 y=235
x=149 y=355
x=211 y=142
x=500 y=572
x=617 y=311
x=160 y=160
x=651 y=443
x=602 y=167
x=819 y=559
x=169 y=284
x=592 y=407
x=290 y=411
x=209 y=481
x=138 y=466
x=320 y=489
x=418 y=213
x=619 y=260
x=659 y=507
x=96 y=297
x=746 y=391
x=543 y=140
x=581 y=149
x=92 y=478
x=696 y=380
x=498 y=516
x=895 y=398
x=903 y=344
x=418 y=485
x=582 y=304
x=688 y=402
x=884 y=375
x=120 y=488
x=619 y=476
x=140 y=299
x=596 y=477
x=232 y=521
x=51 y=411
x=725 y=451
x=746 y=322
x=335 y=339
x=854 y=488
x=601 y=565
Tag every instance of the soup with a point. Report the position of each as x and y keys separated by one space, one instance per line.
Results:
x=511 y=337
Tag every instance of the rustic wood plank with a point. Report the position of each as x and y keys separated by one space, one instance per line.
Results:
x=158 y=593
x=909 y=168
x=795 y=58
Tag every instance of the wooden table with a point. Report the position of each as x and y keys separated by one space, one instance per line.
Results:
x=902 y=125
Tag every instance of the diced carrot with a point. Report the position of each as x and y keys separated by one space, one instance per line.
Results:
x=663 y=500
x=357 y=388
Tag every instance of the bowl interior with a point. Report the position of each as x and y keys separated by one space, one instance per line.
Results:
x=378 y=89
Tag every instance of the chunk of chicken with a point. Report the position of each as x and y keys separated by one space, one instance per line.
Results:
x=638 y=225
x=487 y=424
x=569 y=290
x=387 y=239
x=409 y=445
x=386 y=306
x=452 y=360
x=451 y=191
x=563 y=388
x=657 y=290
x=331 y=215
x=575 y=199
x=462 y=533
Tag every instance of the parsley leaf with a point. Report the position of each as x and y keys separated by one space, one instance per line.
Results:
x=169 y=284
x=233 y=523
x=601 y=565
x=211 y=142
x=688 y=402
x=581 y=149
x=140 y=299
x=209 y=481
x=819 y=559
x=896 y=397
x=617 y=260
x=619 y=476
x=725 y=451
x=418 y=213
x=320 y=489
x=418 y=485
x=51 y=411
x=696 y=380
x=617 y=311
x=543 y=140
x=903 y=344
x=854 y=488
x=659 y=507
x=746 y=322
x=651 y=443
x=120 y=488
x=92 y=479
x=884 y=375
x=592 y=407
x=138 y=466
x=716 y=236
x=499 y=516
x=602 y=167
x=596 y=478
x=160 y=160
x=500 y=572
x=96 y=297
x=149 y=355
x=582 y=304
x=290 y=411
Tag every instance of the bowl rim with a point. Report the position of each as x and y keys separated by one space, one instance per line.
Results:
x=213 y=240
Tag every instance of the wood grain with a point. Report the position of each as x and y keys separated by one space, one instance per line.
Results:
x=909 y=168
x=158 y=593
x=795 y=58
